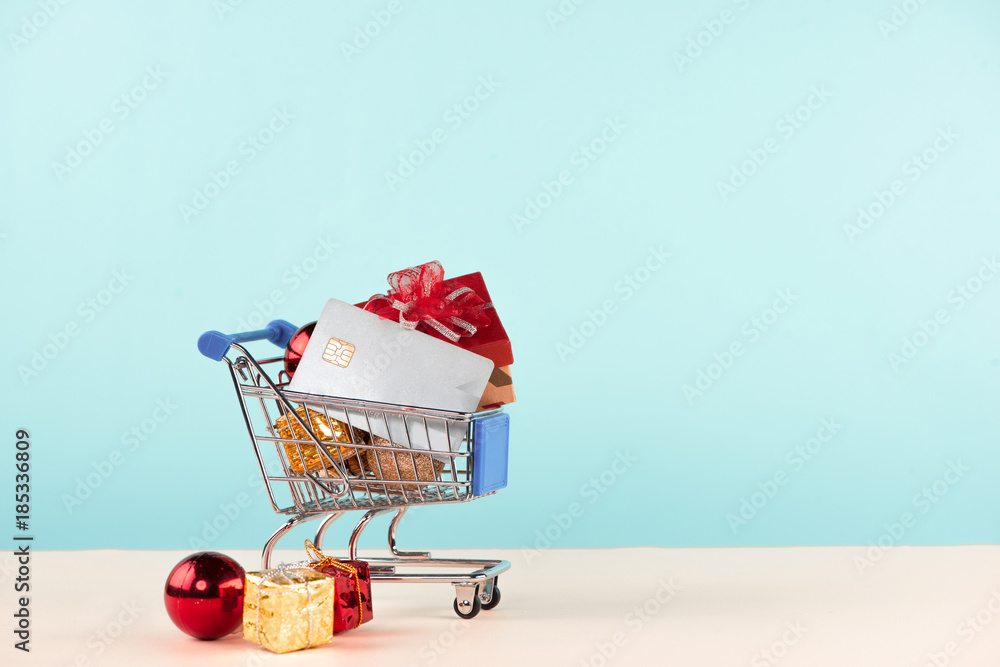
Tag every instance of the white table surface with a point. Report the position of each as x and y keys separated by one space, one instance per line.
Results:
x=729 y=606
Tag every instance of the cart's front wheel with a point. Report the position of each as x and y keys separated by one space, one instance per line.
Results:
x=467 y=610
x=494 y=601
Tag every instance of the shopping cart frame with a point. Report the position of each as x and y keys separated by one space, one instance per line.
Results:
x=332 y=491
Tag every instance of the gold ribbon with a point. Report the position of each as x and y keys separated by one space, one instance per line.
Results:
x=320 y=559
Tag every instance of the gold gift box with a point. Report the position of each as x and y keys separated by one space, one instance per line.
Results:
x=288 y=609
x=327 y=430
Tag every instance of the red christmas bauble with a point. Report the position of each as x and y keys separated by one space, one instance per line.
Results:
x=204 y=595
x=297 y=347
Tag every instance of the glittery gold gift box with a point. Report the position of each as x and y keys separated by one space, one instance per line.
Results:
x=327 y=430
x=384 y=464
x=288 y=609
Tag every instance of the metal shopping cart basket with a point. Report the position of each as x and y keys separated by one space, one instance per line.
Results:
x=344 y=467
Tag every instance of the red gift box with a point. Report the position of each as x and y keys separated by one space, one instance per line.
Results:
x=423 y=300
x=352 y=584
x=491 y=342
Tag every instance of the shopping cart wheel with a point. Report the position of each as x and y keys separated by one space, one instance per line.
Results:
x=494 y=601
x=470 y=611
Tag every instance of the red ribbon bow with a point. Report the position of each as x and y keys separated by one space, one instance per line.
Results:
x=419 y=297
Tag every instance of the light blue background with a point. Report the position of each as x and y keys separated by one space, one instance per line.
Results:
x=655 y=185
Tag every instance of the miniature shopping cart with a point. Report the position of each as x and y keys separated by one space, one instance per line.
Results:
x=310 y=475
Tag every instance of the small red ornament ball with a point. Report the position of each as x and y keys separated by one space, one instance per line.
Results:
x=297 y=347
x=204 y=595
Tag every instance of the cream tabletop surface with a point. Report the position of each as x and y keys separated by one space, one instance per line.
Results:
x=909 y=606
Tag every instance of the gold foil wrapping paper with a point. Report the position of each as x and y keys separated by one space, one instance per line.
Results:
x=327 y=431
x=288 y=609
x=358 y=460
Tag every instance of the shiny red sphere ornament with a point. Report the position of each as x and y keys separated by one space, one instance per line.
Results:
x=297 y=347
x=204 y=595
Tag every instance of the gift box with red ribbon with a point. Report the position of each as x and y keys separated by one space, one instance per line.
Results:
x=499 y=391
x=458 y=310
x=352 y=604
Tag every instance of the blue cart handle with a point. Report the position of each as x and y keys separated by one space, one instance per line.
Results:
x=214 y=345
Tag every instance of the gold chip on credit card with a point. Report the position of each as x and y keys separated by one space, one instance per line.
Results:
x=338 y=352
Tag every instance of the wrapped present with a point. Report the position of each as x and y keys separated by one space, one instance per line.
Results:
x=326 y=430
x=288 y=608
x=360 y=355
x=353 y=604
x=458 y=310
x=499 y=391
x=404 y=465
